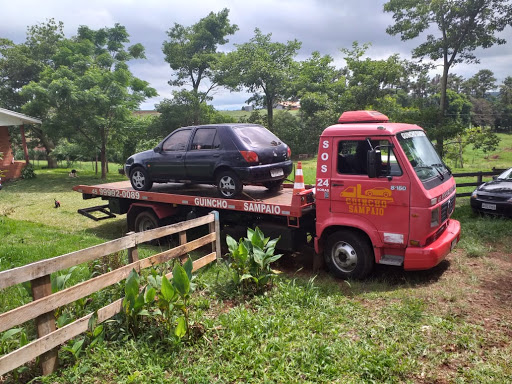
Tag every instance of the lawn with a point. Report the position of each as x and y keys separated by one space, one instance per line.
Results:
x=449 y=324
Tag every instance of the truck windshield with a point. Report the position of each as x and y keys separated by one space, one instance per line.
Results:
x=423 y=157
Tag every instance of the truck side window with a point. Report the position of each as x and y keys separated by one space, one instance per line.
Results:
x=352 y=157
x=393 y=169
x=204 y=139
x=177 y=142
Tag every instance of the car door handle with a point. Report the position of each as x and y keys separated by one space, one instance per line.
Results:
x=179 y=156
x=338 y=184
x=216 y=155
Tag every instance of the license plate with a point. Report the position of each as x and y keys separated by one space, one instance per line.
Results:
x=454 y=243
x=276 y=172
x=489 y=206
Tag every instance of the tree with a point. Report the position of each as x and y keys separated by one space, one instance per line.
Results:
x=480 y=84
x=192 y=53
x=462 y=25
x=260 y=65
x=88 y=91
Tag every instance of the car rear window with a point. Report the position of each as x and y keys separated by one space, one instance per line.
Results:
x=255 y=136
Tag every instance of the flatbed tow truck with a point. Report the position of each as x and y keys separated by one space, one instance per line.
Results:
x=391 y=208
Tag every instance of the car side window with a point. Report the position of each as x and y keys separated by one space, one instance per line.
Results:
x=177 y=142
x=393 y=168
x=205 y=138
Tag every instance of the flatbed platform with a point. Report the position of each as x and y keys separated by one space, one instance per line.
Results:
x=253 y=198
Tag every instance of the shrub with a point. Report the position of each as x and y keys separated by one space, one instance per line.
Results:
x=250 y=259
x=28 y=172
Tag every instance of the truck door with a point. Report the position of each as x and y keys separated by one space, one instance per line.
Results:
x=380 y=204
x=169 y=164
x=203 y=155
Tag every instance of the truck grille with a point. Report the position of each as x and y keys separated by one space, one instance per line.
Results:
x=447 y=208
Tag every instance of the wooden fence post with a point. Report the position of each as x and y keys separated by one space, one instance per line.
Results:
x=215 y=227
x=479 y=178
x=133 y=252
x=45 y=323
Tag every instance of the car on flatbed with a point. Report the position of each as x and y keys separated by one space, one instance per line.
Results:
x=495 y=196
x=227 y=155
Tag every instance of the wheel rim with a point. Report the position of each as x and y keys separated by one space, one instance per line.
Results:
x=138 y=179
x=145 y=224
x=344 y=256
x=227 y=186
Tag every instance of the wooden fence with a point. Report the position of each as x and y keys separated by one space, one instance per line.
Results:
x=45 y=303
x=479 y=179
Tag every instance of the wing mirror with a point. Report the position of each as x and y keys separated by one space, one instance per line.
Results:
x=157 y=149
x=374 y=163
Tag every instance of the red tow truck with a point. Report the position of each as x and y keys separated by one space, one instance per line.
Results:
x=382 y=195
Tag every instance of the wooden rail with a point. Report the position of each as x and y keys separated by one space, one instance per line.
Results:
x=45 y=303
x=479 y=176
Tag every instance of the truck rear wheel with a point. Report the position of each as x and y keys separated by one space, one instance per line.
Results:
x=349 y=255
x=146 y=220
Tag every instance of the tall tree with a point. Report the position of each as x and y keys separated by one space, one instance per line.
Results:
x=480 y=84
x=192 y=53
x=88 y=90
x=462 y=26
x=260 y=65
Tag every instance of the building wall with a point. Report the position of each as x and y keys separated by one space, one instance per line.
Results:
x=12 y=169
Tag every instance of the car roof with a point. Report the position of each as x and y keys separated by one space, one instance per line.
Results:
x=225 y=125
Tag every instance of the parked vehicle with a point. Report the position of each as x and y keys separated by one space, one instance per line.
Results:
x=494 y=197
x=227 y=155
x=394 y=209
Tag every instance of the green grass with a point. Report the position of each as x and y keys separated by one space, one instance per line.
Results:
x=449 y=324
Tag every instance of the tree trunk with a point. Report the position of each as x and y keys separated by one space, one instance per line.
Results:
x=270 y=113
x=103 y=154
x=442 y=109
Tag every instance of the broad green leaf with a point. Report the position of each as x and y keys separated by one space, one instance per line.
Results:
x=144 y=312
x=232 y=244
x=248 y=276
x=168 y=291
x=139 y=302
x=259 y=255
x=131 y=288
x=149 y=295
x=92 y=321
x=180 y=280
x=10 y=333
x=77 y=346
x=97 y=331
x=181 y=328
x=188 y=266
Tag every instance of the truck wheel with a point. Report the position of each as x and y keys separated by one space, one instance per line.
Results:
x=273 y=186
x=146 y=220
x=140 y=179
x=349 y=255
x=228 y=184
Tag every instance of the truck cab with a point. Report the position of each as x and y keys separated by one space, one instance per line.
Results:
x=383 y=196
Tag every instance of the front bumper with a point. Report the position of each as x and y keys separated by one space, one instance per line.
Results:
x=490 y=207
x=431 y=255
x=261 y=173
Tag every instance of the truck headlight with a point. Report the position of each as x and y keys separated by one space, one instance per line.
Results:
x=434 y=220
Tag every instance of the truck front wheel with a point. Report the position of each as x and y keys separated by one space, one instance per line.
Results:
x=349 y=255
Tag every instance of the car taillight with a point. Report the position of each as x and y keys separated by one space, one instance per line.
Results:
x=250 y=156
x=289 y=152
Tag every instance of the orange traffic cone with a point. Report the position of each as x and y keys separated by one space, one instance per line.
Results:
x=298 y=185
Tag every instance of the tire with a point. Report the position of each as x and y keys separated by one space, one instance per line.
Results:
x=349 y=255
x=145 y=221
x=273 y=186
x=140 y=180
x=228 y=184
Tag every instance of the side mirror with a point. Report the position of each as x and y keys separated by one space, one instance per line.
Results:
x=374 y=163
x=157 y=150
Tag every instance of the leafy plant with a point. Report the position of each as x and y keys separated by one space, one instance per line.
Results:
x=135 y=299
x=251 y=258
x=13 y=338
x=28 y=172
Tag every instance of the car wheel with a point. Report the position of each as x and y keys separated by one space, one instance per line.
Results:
x=273 y=186
x=140 y=180
x=145 y=221
x=349 y=255
x=228 y=184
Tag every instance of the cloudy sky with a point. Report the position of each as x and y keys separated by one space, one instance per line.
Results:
x=322 y=25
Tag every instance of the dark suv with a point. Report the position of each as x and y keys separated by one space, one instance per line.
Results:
x=228 y=155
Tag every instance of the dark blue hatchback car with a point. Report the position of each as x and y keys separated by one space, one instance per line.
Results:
x=227 y=155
